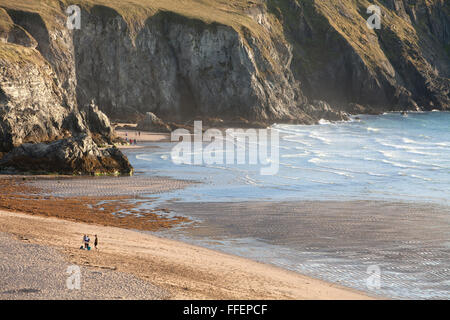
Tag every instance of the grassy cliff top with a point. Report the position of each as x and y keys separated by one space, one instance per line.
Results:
x=5 y=21
x=20 y=55
x=135 y=12
x=346 y=17
x=233 y=13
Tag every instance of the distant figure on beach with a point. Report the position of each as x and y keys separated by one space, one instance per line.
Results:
x=139 y=133
x=86 y=241
x=96 y=242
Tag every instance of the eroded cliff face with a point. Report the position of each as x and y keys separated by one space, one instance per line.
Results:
x=178 y=67
x=402 y=66
x=268 y=61
x=181 y=67
x=38 y=100
x=32 y=108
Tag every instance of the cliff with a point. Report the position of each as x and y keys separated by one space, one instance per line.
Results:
x=261 y=60
x=38 y=105
x=403 y=66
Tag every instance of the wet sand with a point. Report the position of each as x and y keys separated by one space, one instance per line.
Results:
x=131 y=187
x=108 y=201
x=334 y=241
x=182 y=270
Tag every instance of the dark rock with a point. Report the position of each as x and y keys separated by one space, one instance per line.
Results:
x=39 y=113
x=321 y=110
x=152 y=123
x=98 y=124
x=402 y=66
x=77 y=155
x=229 y=73
x=354 y=108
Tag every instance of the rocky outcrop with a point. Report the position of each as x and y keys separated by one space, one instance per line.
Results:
x=34 y=110
x=98 y=124
x=38 y=104
x=76 y=155
x=322 y=110
x=152 y=123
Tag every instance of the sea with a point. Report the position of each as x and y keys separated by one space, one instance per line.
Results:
x=375 y=190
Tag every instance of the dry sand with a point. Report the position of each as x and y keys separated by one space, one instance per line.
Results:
x=144 y=136
x=182 y=270
x=32 y=271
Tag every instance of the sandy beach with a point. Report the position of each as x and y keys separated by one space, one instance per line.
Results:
x=53 y=213
x=144 y=136
x=174 y=270
x=33 y=271
x=108 y=201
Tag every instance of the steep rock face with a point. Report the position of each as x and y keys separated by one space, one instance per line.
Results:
x=77 y=155
x=38 y=103
x=12 y=33
x=402 y=66
x=32 y=108
x=182 y=67
x=178 y=67
x=54 y=43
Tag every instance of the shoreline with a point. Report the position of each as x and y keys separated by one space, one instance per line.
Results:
x=399 y=236
x=195 y=279
x=184 y=270
x=27 y=211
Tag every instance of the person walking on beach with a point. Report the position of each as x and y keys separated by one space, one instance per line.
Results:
x=96 y=242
